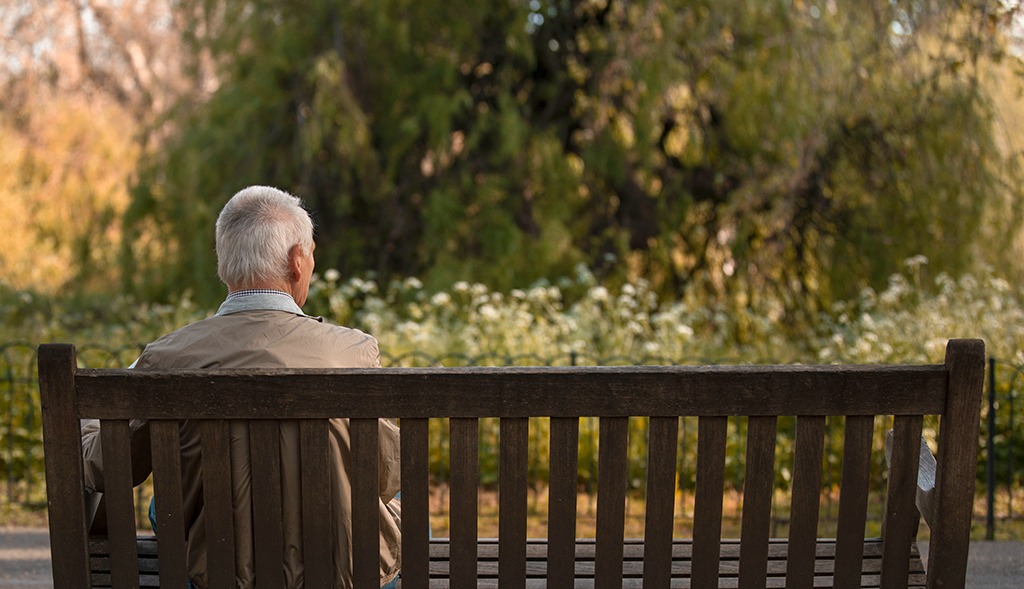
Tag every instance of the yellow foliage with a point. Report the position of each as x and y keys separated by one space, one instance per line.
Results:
x=63 y=176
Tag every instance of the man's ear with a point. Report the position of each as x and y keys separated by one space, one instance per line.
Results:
x=295 y=257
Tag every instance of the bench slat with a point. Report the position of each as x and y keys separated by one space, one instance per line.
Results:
x=219 y=522
x=267 y=516
x=318 y=555
x=167 y=489
x=415 y=501
x=901 y=516
x=62 y=445
x=365 y=500
x=611 y=499
x=117 y=473
x=853 y=499
x=562 y=500
x=806 y=498
x=707 y=503
x=660 y=508
x=758 y=482
x=463 y=498
x=512 y=465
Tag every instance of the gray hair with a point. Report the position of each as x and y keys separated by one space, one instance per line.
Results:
x=255 y=231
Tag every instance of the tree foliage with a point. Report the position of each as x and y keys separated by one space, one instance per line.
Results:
x=795 y=149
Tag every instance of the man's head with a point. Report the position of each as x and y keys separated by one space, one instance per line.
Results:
x=265 y=240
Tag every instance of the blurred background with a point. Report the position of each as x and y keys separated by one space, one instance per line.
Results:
x=526 y=181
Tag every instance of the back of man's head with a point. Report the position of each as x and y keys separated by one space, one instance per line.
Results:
x=255 y=231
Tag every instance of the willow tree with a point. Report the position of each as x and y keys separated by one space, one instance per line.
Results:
x=795 y=149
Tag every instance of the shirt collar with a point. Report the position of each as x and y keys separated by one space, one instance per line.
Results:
x=261 y=300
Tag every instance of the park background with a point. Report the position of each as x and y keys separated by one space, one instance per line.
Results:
x=528 y=182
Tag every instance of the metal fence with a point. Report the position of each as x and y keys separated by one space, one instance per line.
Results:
x=21 y=455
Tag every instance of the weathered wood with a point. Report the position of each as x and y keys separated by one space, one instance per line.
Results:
x=117 y=474
x=365 y=499
x=65 y=496
x=853 y=499
x=516 y=392
x=318 y=554
x=562 y=500
x=707 y=517
x=463 y=507
x=536 y=550
x=661 y=496
x=806 y=498
x=415 y=502
x=512 y=465
x=611 y=500
x=217 y=497
x=757 y=500
x=165 y=440
x=267 y=516
x=901 y=515
x=611 y=395
x=957 y=456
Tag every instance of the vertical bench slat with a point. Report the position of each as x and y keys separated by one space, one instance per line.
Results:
x=165 y=443
x=758 y=482
x=957 y=456
x=563 y=477
x=611 y=501
x=267 y=522
x=415 y=502
x=661 y=479
x=117 y=474
x=803 y=528
x=463 y=508
x=218 y=512
x=514 y=445
x=62 y=446
x=853 y=500
x=707 y=501
x=901 y=516
x=317 y=552
x=365 y=504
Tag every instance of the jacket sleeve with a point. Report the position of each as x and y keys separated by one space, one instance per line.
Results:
x=92 y=453
x=390 y=468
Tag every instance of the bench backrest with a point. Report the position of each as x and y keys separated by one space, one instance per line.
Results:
x=465 y=395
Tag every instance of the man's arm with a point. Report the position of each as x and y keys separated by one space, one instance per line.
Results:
x=92 y=453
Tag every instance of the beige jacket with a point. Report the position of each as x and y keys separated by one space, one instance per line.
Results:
x=268 y=339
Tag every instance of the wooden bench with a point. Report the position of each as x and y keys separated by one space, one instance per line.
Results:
x=715 y=394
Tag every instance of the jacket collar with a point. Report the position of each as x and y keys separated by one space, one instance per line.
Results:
x=261 y=300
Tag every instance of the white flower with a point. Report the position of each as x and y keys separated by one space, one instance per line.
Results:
x=915 y=261
x=332 y=275
x=440 y=299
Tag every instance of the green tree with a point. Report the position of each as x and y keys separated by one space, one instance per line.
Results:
x=797 y=150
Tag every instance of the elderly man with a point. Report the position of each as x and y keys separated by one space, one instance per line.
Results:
x=265 y=257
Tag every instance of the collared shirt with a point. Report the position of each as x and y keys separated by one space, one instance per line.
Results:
x=261 y=300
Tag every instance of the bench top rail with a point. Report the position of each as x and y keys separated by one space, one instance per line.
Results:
x=514 y=392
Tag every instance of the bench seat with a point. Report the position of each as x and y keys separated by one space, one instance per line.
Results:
x=536 y=567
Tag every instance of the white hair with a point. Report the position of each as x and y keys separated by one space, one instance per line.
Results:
x=255 y=231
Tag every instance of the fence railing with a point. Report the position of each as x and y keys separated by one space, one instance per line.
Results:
x=21 y=455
